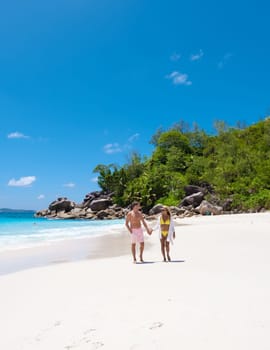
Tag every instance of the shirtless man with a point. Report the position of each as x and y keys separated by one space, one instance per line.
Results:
x=134 y=221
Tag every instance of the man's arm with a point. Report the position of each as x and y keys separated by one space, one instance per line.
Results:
x=149 y=231
x=128 y=223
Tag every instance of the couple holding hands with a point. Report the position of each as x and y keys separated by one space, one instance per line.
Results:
x=165 y=226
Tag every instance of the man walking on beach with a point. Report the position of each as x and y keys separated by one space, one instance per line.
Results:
x=134 y=221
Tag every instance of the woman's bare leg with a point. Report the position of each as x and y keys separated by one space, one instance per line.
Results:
x=162 y=243
x=168 y=250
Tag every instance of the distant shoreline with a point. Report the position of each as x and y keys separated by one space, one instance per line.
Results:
x=8 y=210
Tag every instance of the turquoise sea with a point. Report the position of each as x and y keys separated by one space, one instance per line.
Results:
x=20 y=229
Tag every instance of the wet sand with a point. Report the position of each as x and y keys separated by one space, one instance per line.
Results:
x=111 y=245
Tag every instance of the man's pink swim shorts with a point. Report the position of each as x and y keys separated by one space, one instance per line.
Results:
x=137 y=235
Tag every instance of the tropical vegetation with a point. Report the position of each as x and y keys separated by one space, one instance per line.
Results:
x=233 y=163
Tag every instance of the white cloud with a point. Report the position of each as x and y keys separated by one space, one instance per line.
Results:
x=17 y=135
x=224 y=60
x=179 y=78
x=22 y=182
x=41 y=196
x=197 y=56
x=69 y=184
x=175 y=57
x=94 y=179
x=115 y=147
x=111 y=148
x=133 y=137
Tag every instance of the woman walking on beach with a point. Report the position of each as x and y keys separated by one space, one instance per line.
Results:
x=134 y=221
x=165 y=226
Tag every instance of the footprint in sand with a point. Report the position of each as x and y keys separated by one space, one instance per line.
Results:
x=85 y=345
x=45 y=331
x=90 y=330
x=86 y=342
x=97 y=345
x=156 y=325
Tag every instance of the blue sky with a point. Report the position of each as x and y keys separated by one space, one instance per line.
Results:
x=89 y=81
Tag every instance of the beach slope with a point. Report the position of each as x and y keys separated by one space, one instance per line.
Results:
x=213 y=295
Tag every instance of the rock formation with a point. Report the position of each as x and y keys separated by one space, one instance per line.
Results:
x=96 y=205
x=99 y=205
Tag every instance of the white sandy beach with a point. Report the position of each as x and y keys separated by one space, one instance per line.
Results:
x=214 y=295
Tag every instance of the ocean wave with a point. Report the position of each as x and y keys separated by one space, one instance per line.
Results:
x=45 y=233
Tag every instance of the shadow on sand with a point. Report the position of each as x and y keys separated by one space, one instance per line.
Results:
x=154 y=262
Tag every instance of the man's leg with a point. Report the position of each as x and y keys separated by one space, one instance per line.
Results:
x=133 y=250
x=141 y=251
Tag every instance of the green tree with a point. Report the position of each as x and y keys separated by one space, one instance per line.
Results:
x=234 y=161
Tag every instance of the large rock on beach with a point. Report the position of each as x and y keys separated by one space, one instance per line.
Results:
x=41 y=213
x=227 y=204
x=206 y=208
x=177 y=211
x=96 y=205
x=191 y=189
x=100 y=204
x=156 y=209
x=62 y=204
x=64 y=215
x=194 y=199
x=94 y=196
